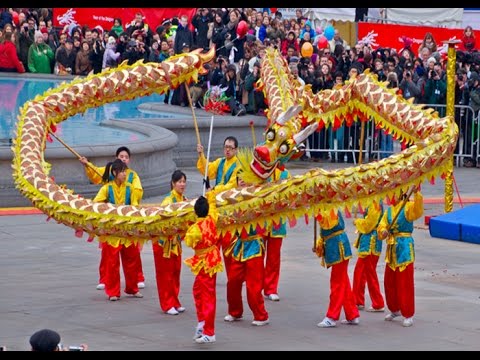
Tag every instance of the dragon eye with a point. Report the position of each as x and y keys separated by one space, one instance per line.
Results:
x=283 y=149
x=270 y=135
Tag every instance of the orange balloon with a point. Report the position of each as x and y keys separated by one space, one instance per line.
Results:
x=307 y=49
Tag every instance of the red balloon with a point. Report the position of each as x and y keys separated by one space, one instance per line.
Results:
x=242 y=29
x=322 y=42
x=273 y=10
x=15 y=18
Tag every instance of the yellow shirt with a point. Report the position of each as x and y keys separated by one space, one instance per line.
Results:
x=213 y=169
x=95 y=174
x=119 y=193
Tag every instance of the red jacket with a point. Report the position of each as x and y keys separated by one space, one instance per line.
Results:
x=9 y=57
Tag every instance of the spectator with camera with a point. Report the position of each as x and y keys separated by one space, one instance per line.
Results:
x=139 y=26
x=47 y=340
x=217 y=74
x=96 y=55
x=25 y=40
x=408 y=86
x=256 y=99
x=229 y=81
x=436 y=88
x=200 y=22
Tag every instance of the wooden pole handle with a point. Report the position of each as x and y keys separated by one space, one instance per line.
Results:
x=193 y=113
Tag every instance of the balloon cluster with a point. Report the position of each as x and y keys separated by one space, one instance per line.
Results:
x=321 y=40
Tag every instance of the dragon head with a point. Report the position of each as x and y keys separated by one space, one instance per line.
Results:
x=283 y=139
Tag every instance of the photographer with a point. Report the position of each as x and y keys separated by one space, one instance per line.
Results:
x=436 y=88
x=256 y=99
x=408 y=86
x=47 y=340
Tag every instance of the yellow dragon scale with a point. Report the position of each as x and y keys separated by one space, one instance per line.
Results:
x=433 y=142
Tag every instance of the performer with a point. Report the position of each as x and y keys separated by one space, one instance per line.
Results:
x=334 y=248
x=273 y=246
x=202 y=237
x=118 y=191
x=246 y=264
x=167 y=254
x=399 y=270
x=95 y=174
x=369 y=250
x=224 y=171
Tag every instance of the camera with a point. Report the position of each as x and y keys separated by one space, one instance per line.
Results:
x=75 y=348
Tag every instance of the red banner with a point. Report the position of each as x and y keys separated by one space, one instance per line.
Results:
x=390 y=36
x=104 y=16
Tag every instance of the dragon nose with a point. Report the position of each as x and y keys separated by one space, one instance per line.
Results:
x=263 y=153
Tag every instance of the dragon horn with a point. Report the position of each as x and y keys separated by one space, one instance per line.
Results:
x=292 y=111
x=302 y=135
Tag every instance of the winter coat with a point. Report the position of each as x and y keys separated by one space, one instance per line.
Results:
x=110 y=57
x=40 y=58
x=9 y=58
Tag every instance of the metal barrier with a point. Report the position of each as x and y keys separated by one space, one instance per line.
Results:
x=343 y=144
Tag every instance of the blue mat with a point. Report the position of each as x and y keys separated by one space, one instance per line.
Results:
x=462 y=225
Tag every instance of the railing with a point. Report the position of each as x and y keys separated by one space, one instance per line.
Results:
x=343 y=144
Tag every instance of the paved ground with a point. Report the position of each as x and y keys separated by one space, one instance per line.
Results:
x=49 y=279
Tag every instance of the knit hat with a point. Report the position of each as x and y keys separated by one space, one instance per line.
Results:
x=44 y=30
x=38 y=34
x=45 y=340
x=111 y=40
x=431 y=59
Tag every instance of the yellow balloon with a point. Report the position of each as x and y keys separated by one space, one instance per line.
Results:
x=307 y=49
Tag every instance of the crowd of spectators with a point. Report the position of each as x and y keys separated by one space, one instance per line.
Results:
x=80 y=50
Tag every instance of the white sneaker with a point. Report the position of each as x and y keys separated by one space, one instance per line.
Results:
x=198 y=333
x=231 y=318
x=273 y=297
x=372 y=309
x=361 y=307
x=113 y=298
x=407 y=322
x=391 y=316
x=205 y=339
x=260 y=322
x=172 y=311
x=180 y=309
x=141 y=285
x=327 y=323
x=355 y=321
x=101 y=286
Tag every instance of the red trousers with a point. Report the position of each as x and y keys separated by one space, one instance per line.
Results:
x=205 y=297
x=251 y=272
x=399 y=290
x=341 y=294
x=130 y=257
x=366 y=273
x=102 y=266
x=273 y=245
x=167 y=274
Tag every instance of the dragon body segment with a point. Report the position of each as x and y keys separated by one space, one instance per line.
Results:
x=294 y=113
